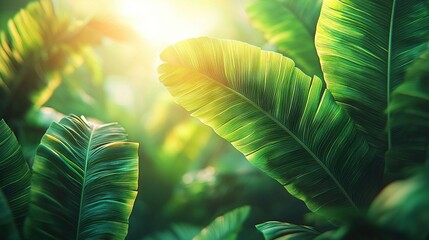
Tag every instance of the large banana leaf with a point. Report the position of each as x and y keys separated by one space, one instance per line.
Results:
x=273 y=230
x=84 y=182
x=291 y=26
x=15 y=175
x=283 y=121
x=37 y=48
x=365 y=48
x=410 y=117
x=225 y=227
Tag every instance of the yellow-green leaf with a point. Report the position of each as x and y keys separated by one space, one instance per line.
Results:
x=285 y=122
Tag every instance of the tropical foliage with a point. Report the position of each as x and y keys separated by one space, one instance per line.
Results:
x=326 y=143
x=31 y=67
x=284 y=22
x=336 y=113
x=84 y=176
x=16 y=174
x=95 y=172
x=83 y=182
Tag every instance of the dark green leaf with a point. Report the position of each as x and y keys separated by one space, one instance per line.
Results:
x=225 y=227
x=8 y=230
x=283 y=121
x=409 y=112
x=177 y=232
x=403 y=207
x=365 y=48
x=291 y=26
x=84 y=182
x=15 y=175
x=279 y=230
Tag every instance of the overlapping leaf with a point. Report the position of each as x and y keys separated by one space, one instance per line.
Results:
x=283 y=121
x=403 y=207
x=291 y=26
x=410 y=117
x=37 y=48
x=365 y=48
x=176 y=232
x=279 y=230
x=15 y=175
x=8 y=230
x=225 y=227
x=84 y=182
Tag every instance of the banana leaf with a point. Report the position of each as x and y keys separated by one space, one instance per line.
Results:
x=15 y=175
x=273 y=230
x=8 y=230
x=403 y=207
x=176 y=232
x=84 y=182
x=291 y=26
x=285 y=122
x=40 y=46
x=365 y=47
x=225 y=227
x=410 y=117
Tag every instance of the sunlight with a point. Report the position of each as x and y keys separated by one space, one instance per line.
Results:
x=166 y=21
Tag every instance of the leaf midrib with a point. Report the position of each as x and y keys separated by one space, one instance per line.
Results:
x=389 y=73
x=84 y=180
x=309 y=151
x=302 y=21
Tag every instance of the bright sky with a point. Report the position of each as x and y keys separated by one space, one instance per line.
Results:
x=167 y=21
x=158 y=21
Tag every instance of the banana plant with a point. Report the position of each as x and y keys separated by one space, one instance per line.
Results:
x=39 y=47
x=410 y=118
x=15 y=180
x=257 y=117
x=83 y=182
x=324 y=140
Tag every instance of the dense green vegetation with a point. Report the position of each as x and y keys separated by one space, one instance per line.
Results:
x=336 y=113
x=325 y=143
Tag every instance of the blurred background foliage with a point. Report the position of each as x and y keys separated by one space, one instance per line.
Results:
x=188 y=175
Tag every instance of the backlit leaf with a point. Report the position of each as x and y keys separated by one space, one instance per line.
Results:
x=84 y=182
x=282 y=120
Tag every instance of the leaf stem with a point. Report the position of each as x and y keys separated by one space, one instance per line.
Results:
x=389 y=69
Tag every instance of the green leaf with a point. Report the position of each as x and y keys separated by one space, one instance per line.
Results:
x=291 y=26
x=225 y=227
x=403 y=207
x=8 y=230
x=15 y=175
x=279 y=230
x=410 y=118
x=365 y=48
x=177 y=232
x=283 y=121
x=84 y=182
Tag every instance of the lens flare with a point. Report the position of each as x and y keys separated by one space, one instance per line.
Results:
x=166 y=21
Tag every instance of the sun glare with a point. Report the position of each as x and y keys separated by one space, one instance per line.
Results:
x=165 y=21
